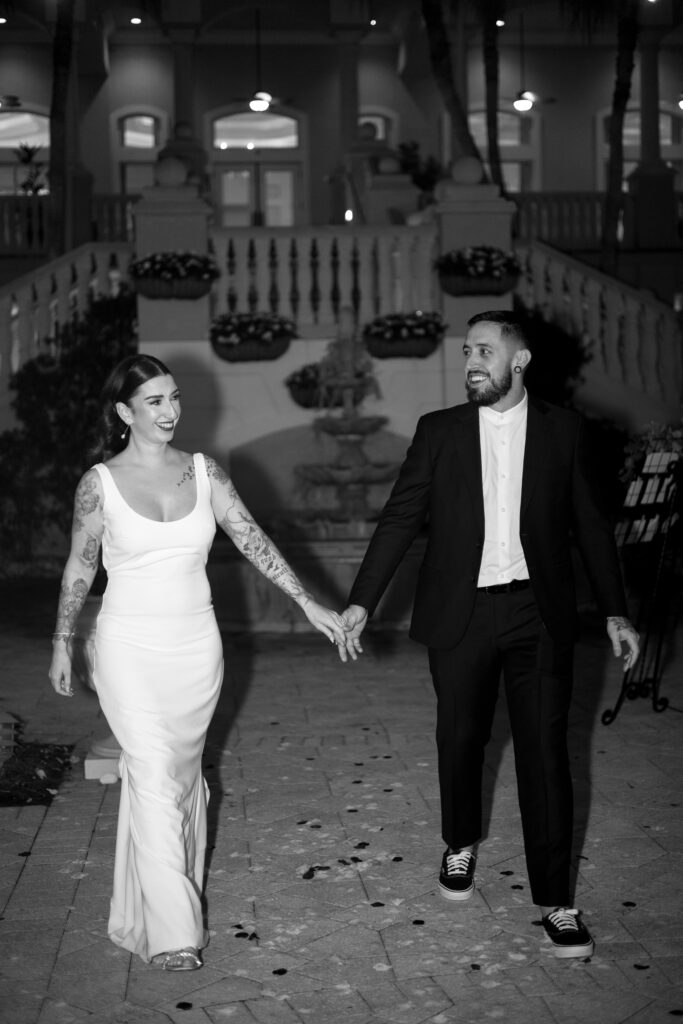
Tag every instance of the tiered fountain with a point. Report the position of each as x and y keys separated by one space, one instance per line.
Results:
x=351 y=474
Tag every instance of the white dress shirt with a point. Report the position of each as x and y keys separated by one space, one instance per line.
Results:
x=502 y=438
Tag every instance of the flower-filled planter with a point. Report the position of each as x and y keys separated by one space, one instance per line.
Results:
x=477 y=270
x=404 y=335
x=245 y=337
x=173 y=275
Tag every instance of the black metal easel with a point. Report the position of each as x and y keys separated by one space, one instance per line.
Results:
x=650 y=526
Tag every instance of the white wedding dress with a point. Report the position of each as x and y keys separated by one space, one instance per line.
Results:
x=158 y=669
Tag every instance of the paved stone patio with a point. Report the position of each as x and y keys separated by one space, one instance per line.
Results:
x=324 y=830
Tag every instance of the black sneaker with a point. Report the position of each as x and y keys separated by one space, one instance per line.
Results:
x=456 y=880
x=568 y=935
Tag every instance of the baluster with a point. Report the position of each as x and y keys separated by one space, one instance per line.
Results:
x=92 y=276
x=344 y=244
x=36 y=340
x=334 y=288
x=294 y=294
x=325 y=311
x=6 y=306
x=231 y=294
x=592 y=296
x=252 y=270
x=314 y=291
x=356 y=289
x=382 y=258
x=273 y=291
x=611 y=318
x=396 y=262
x=72 y=295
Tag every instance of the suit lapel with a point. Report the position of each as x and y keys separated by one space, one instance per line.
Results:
x=535 y=451
x=468 y=450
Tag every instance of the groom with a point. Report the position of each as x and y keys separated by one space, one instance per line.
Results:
x=502 y=484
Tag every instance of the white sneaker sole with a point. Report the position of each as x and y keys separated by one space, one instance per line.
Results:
x=565 y=952
x=458 y=896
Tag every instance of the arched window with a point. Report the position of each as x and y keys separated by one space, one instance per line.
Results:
x=384 y=122
x=249 y=130
x=136 y=135
x=670 y=143
x=139 y=131
x=519 y=147
x=23 y=128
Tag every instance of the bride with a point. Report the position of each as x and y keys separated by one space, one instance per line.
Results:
x=158 y=662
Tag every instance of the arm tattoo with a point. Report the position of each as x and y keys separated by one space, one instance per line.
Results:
x=250 y=539
x=71 y=600
x=86 y=501
x=90 y=552
x=215 y=471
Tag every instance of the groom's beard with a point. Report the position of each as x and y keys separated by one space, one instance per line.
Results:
x=489 y=391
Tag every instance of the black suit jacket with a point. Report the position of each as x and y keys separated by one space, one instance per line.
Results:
x=440 y=484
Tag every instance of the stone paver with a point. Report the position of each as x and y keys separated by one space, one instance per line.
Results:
x=324 y=846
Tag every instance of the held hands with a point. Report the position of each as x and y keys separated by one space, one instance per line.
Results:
x=355 y=619
x=330 y=623
x=620 y=631
x=60 y=671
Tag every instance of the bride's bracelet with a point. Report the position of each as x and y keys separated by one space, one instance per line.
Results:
x=62 y=636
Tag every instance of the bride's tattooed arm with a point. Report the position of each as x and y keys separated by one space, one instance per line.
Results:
x=81 y=566
x=234 y=518
x=79 y=572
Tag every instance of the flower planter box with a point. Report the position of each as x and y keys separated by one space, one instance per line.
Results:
x=401 y=348
x=157 y=288
x=306 y=398
x=250 y=350
x=460 y=284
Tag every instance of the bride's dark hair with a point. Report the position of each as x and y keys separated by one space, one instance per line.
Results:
x=111 y=433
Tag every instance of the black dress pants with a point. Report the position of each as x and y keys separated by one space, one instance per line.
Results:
x=506 y=635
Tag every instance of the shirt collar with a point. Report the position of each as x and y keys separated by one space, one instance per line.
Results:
x=507 y=418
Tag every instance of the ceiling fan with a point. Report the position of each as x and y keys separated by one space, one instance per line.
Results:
x=525 y=99
x=261 y=99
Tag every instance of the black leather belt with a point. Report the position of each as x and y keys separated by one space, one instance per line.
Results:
x=506 y=588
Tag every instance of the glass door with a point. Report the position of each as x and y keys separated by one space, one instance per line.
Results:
x=258 y=194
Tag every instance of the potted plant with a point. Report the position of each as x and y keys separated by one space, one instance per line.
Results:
x=241 y=337
x=477 y=270
x=408 y=335
x=173 y=275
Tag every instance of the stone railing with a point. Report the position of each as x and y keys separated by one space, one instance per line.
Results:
x=310 y=273
x=635 y=372
x=33 y=306
x=24 y=225
x=567 y=220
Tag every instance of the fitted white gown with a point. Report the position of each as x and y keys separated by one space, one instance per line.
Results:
x=158 y=669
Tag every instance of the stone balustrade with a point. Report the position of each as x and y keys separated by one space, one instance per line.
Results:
x=635 y=371
x=310 y=273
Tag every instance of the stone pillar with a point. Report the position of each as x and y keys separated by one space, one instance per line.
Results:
x=173 y=216
x=652 y=182
x=468 y=214
x=349 y=20
x=78 y=183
